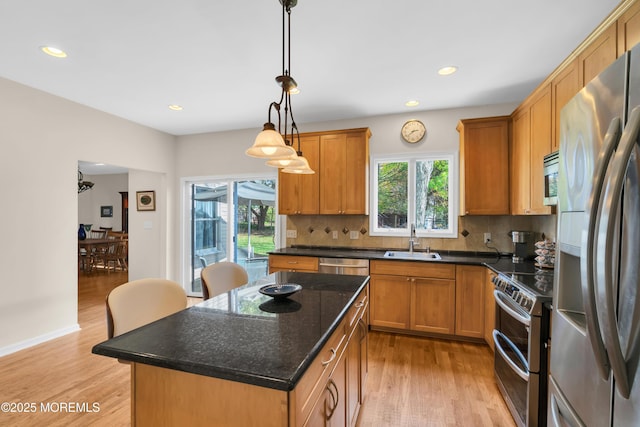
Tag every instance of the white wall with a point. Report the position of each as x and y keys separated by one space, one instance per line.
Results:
x=105 y=192
x=42 y=137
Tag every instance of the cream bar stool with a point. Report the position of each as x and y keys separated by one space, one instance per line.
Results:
x=142 y=301
x=222 y=277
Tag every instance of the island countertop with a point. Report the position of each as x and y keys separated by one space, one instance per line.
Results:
x=243 y=335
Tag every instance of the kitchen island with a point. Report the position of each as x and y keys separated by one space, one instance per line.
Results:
x=242 y=358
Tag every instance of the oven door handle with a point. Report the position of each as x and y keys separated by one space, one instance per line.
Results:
x=521 y=373
x=516 y=312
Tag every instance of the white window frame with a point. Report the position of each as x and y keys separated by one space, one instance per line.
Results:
x=452 y=231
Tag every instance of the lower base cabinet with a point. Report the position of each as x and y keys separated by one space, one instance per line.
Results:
x=428 y=298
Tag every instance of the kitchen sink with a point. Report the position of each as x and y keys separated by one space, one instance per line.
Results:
x=421 y=256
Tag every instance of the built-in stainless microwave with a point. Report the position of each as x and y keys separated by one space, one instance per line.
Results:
x=551 y=179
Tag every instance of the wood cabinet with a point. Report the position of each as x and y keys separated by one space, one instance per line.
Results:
x=563 y=87
x=413 y=296
x=484 y=166
x=530 y=143
x=341 y=392
x=344 y=172
x=598 y=55
x=298 y=193
x=470 y=289
x=629 y=29
x=292 y=263
x=340 y=185
x=489 y=308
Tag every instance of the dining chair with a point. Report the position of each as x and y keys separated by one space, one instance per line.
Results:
x=139 y=302
x=116 y=256
x=222 y=277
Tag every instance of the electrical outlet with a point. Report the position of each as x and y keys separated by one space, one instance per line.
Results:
x=292 y=234
x=334 y=234
x=354 y=235
x=487 y=237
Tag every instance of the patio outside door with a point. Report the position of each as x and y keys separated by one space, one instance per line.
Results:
x=231 y=221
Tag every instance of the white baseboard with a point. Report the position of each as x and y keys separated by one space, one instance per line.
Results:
x=38 y=340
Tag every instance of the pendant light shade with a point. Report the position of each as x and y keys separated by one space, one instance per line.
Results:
x=269 y=144
x=302 y=168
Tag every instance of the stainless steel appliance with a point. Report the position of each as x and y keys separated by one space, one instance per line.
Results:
x=350 y=266
x=520 y=338
x=595 y=352
x=550 y=166
x=523 y=245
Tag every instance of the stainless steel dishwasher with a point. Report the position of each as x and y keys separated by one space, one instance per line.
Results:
x=349 y=266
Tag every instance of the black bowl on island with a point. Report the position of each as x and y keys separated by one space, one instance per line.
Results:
x=280 y=291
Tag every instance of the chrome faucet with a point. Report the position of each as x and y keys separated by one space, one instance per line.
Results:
x=413 y=240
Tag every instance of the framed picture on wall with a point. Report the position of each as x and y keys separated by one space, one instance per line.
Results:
x=146 y=200
x=106 y=211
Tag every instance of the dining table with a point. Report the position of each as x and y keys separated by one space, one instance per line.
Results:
x=90 y=246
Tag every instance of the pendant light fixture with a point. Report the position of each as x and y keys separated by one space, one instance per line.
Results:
x=273 y=144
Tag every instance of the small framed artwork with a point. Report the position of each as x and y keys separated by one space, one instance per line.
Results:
x=146 y=200
x=106 y=211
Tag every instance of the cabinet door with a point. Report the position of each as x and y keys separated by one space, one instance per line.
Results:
x=330 y=409
x=470 y=302
x=356 y=187
x=540 y=116
x=520 y=163
x=600 y=53
x=564 y=87
x=433 y=305
x=629 y=29
x=489 y=309
x=298 y=194
x=484 y=155
x=353 y=377
x=390 y=301
x=333 y=152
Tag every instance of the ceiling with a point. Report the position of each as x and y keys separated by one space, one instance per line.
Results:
x=351 y=58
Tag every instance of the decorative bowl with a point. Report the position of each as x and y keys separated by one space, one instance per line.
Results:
x=280 y=291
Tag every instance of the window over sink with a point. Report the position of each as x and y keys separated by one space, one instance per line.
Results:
x=418 y=189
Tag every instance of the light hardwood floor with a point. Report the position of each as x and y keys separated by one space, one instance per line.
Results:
x=412 y=381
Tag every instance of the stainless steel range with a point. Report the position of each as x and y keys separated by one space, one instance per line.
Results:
x=520 y=337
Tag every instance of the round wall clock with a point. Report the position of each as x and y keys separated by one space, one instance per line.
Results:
x=413 y=131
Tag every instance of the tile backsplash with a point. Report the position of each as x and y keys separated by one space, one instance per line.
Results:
x=320 y=230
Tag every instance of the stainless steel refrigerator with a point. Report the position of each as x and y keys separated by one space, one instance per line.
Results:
x=595 y=335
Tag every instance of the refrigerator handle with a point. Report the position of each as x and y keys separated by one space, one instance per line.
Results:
x=589 y=236
x=607 y=229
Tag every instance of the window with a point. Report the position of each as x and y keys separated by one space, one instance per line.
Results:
x=420 y=190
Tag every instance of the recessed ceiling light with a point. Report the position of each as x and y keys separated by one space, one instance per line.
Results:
x=53 y=51
x=446 y=71
x=412 y=103
x=175 y=107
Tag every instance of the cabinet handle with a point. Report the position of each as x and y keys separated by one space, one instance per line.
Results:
x=292 y=262
x=363 y=329
x=333 y=356
x=361 y=303
x=335 y=398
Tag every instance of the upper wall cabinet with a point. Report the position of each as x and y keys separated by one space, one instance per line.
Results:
x=530 y=143
x=344 y=172
x=341 y=182
x=484 y=166
x=629 y=29
x=564 y=86
x=298 y=193
x=601 y=52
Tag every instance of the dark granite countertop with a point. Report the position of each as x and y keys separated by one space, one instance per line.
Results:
x=499 y=263
x=243 y=335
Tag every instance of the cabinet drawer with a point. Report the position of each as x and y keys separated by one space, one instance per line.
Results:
x=356 y=310
x=312 y=384
x=414 y=269
x=292 y=263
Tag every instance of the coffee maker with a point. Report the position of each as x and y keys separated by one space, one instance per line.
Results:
x=523 y=245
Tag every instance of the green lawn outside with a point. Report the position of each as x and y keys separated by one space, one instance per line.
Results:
x=261 y=244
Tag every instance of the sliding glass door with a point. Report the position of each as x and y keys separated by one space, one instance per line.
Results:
x=230 y=220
